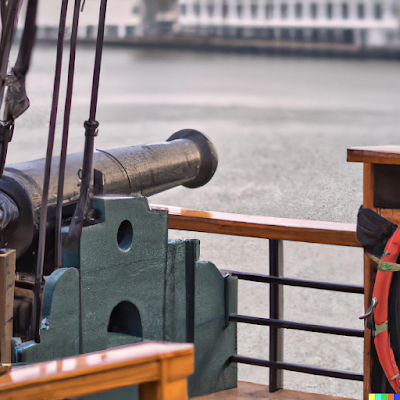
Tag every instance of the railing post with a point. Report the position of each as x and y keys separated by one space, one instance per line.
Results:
x=275 y=312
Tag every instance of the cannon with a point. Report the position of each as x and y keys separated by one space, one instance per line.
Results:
x=130 y=283
x=187 y=158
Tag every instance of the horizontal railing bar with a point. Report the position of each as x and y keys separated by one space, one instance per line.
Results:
x=261 y=227
x=296 y=325
x=354 y=376
x=338 y=287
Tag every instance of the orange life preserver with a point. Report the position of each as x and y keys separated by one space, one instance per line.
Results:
x=381 y=293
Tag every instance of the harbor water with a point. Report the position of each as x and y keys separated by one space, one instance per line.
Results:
x=281 y=127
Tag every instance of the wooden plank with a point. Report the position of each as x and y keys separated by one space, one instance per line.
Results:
x=7 y=282
x=261 y=227
x=249 y=391
x=144 y=363
x=375 y=154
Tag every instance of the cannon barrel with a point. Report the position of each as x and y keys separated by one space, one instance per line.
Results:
x=187 y=158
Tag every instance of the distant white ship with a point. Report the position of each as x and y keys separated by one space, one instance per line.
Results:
x=365 y=23
x=124 y=18
x=362 y=23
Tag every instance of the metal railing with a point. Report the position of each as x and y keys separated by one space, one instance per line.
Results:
x=275 y=323
x=277 y=230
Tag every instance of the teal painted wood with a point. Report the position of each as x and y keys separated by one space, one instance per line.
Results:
x=130 y=284
x=59 y=331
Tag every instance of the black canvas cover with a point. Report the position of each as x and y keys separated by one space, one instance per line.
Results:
x=373 y=231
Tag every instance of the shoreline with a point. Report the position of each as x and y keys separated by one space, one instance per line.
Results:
x=246 y=45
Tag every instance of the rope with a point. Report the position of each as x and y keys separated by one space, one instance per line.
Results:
x=47 y=172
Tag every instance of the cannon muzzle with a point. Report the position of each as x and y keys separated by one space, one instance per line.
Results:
x=187 y=158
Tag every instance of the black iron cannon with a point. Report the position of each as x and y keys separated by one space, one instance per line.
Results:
x=187 y=158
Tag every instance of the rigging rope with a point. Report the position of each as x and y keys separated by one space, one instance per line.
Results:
x=47 y=172
x=91 y=125
x=64 y=143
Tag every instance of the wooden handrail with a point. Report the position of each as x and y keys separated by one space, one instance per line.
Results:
x=375 y=154
x=160 y=370
x=261 y=227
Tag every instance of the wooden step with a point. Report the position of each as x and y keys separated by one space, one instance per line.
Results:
x=247 y=391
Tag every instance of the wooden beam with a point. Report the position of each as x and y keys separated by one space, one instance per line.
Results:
x=261 y=227
x=7 y=283
x=162 y=369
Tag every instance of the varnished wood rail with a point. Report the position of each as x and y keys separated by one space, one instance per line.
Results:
x=375 y=155
x=261 y=227
x=160 y=370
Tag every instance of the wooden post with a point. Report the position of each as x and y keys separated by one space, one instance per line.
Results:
x=369 y=277
x=171 y=386
x=381 y=168
x=7 y=282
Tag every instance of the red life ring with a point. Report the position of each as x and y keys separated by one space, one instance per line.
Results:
x=381 y=293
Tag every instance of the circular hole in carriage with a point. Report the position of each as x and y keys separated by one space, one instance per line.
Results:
x=125 y=235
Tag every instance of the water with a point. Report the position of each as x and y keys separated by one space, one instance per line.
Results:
x=281 y=127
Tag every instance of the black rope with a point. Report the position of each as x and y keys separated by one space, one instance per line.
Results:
x=47 y=172
x=21 y=66
x=87 y=168
x=91 y=125
x=64 y=144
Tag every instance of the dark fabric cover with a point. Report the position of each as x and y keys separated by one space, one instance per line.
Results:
x=373 y=231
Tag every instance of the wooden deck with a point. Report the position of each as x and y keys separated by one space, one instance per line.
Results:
x=248 y=391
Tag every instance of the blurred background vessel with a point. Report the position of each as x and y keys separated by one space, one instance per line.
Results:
x=341 y=27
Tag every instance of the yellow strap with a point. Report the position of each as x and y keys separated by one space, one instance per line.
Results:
x=388 y=266
x=380 y=328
